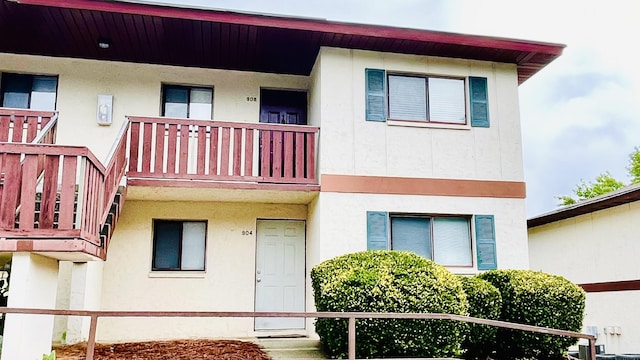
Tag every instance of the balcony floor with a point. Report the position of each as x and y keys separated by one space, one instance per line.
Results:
x=159 y=190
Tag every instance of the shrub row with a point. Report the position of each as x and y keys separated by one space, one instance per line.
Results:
x=395 y=281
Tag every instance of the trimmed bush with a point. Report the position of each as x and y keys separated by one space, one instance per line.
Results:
x=485 y=302
x=389 y=281
x=540 y=299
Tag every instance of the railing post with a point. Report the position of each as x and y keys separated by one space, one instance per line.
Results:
x=592 y=348
x=91 y=342
x=81 y=190
x=352 y=338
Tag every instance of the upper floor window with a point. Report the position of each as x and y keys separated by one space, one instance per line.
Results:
x=430 y=99
x=187 y=102
x=23 y=91
x=426 y=98
x=179 y=245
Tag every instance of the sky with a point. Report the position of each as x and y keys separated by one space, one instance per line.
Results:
x=580 y=115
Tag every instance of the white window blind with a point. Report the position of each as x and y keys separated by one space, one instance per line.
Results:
x=200 y=104
x=452 y=242
x=411 y=234
x=446 y=100
x=407 y=98
x=193 y=245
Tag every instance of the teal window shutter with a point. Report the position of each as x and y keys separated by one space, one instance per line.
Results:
x=375 y=95
x=479 y=102
x=486 y=242
x=377 y=230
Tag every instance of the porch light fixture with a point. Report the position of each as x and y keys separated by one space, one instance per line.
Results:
x=104 y=43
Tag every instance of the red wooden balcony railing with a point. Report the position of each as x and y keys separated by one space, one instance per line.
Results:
x=222 y=151
x=57 y=192
x=23 y=126
x=66 y=169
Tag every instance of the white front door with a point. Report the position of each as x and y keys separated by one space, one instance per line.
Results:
x=280 y=272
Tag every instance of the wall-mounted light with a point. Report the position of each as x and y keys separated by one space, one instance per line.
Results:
x=104 y=43
x=105 y=110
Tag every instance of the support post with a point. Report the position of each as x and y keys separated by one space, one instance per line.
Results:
x=352 y=338
x=91 y=342
x=33 y=285
x=592 y=348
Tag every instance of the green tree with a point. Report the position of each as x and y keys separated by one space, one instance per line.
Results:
x=604 y=183
x=634 y=165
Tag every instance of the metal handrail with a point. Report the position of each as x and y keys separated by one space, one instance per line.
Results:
x=351 y=316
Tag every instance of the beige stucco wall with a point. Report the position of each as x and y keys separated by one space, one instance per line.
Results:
x=136 y=91
x=351 y=145
x=343 y=227
x=599 y=247
x=228 y=283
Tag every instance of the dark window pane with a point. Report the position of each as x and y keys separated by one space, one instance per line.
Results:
x=45 y=84
x=176 y=102
x=166 y=247
x=16 y=89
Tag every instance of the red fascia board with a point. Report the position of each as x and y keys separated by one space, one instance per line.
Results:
x=304 y=24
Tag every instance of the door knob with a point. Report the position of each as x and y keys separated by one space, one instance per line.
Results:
x=258 y=279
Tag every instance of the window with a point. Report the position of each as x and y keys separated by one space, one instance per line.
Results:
x=425 y=98
x=22 y=91
x=187 y=102
x=445 y=239
x=179 y=245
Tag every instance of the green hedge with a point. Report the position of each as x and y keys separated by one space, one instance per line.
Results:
x=389 y=281
x=485 y=302
x=536 y=298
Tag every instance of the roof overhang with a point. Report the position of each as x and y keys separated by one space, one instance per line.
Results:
x=158 y=34
x=619 y=197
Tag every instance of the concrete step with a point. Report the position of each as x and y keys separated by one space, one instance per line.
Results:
x=292 y=348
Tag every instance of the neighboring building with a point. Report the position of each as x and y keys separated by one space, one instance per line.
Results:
x=594 y=243
x=257 y=146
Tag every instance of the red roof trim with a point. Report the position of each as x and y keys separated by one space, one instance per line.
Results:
x=305 y=24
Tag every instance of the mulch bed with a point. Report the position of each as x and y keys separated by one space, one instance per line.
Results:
x=167 y=350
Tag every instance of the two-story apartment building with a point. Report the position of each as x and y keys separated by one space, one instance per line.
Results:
x=161 y=158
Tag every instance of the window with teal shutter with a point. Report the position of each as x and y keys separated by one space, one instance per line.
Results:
x=375 y=96
x=486 y=242
x=377 y=230
x=479 y=102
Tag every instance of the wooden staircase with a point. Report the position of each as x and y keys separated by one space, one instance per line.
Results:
x=106 y=230
x=59 y=201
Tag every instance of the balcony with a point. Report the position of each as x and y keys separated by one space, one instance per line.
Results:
x=59 y=201
x=221 y=161
x=62 y=202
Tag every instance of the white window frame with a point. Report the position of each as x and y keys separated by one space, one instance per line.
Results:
x=428 y=120
x=189 y=89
